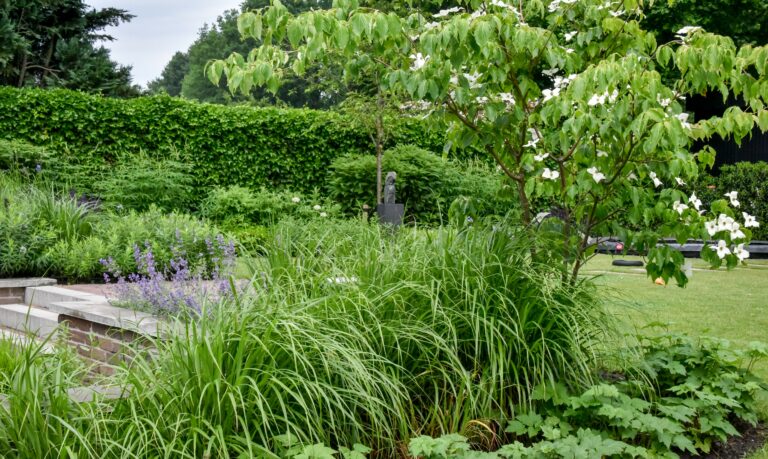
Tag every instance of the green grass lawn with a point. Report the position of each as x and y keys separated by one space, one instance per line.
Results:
x=725 y=304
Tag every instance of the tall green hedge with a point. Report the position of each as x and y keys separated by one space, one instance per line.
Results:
x=246 y=146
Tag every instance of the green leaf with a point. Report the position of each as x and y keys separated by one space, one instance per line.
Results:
x=359 y=24
x=482 y=34
x=295 y=33
x=342 y=37
x=762 y=120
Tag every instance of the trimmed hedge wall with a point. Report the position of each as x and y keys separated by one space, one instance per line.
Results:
x=226 y=145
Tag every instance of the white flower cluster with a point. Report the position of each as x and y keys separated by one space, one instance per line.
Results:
x=507 y=98
x=448 y=12
x=722 y=250
x=559 y=84
x=695 y=201
x=550 y=174
x=683 y=117
x=602 y=98
x=556 y=4
x=728 y=224
x=679 y=207
x=535 y=138
x=419 y=60
x=471 y=79
x=686 y=32
x=725 y=223
x=597 y=176
x=417 y=106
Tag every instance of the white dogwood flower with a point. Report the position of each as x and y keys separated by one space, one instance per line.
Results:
x=550 y=93
x=596 y=174
x=679 y=207
x=733 y=196
x=695 y=201
x=542 y=157
x=711 y=227
x=418 y=61
x=683 y=117
x=551 y=72
x=507 y=98
x=569 y=35
x=656 y=182
x=679 y=181
x=736 y=232
x=740 y=252
x=750 y=221
x=550 y=174
x=721 y=248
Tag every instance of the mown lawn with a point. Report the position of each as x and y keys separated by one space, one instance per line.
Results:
x=725 y=304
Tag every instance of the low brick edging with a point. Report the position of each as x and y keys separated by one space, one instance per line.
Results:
x=101 y=345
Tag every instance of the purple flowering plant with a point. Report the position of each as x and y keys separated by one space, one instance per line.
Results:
x=189 y=280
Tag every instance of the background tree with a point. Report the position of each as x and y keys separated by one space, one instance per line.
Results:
x=171 y=79
x=184 y=73
x=52 y=43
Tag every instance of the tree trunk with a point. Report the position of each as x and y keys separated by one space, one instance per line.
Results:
x=22 y=71
x=48 y=57
x=379 y=145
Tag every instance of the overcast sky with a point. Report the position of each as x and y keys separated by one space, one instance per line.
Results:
x=160 y=28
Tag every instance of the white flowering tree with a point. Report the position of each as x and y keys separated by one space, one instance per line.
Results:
x=575 y=102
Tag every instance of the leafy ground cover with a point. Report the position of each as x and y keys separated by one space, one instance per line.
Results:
x=720 y=303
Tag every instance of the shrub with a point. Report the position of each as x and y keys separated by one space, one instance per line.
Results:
x=236 y=206
x=138 y=181
x=426 y=183
x=25 y=158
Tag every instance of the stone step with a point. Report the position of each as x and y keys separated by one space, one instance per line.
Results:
x=12 y=290
x=28 y=319
x=45 y=296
